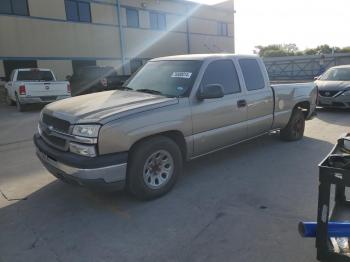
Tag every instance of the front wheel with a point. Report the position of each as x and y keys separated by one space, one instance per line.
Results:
x=295 y=127
x=154 y=167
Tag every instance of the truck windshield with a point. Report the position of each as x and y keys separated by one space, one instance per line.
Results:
x=35 y=75
x=169 y=78
x=336 y=74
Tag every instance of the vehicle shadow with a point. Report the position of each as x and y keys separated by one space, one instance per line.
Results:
x=328 y=115
x=232 y=186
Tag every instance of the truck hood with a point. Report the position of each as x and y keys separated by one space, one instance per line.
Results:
x=105 y=106
x=333 y=85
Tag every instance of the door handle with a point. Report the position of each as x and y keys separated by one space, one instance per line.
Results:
x=242 y=103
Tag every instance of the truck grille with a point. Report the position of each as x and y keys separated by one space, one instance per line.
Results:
x=54 y=141
x=56 y=123
x=328 y=93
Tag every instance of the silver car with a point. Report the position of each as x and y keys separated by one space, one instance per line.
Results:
x=334 y=87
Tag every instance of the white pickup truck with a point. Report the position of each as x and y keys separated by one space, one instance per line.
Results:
x=34 y=86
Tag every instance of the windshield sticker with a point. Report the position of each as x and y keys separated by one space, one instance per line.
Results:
x=186 y=75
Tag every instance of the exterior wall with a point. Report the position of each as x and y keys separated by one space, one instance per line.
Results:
x=27 y=37
x=104 y=14
x=61 y=68
x=53 y=9
x=46 y=35
x=154 y=43
x=210 y=44
x=176 y=23
x=2 y=69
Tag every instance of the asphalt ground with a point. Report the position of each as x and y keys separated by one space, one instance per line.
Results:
x=239 y=204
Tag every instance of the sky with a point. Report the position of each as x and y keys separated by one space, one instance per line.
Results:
x=307 y=23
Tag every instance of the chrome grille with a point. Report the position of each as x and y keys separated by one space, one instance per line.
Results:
x=328 y=93
x=55 y=123
x=54 y=141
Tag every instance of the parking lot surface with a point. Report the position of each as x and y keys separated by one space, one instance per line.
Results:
x=240 y=204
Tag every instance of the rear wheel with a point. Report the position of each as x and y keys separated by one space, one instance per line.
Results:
x=154 y=167
x=295 y=127
x=20 y=107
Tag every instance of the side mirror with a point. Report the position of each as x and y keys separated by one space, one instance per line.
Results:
x=69 y=77
x=210 y=92
x=316 y=77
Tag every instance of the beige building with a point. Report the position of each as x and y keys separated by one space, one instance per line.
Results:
x=67 y=34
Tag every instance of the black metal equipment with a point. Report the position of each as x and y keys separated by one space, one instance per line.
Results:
x=333 y=170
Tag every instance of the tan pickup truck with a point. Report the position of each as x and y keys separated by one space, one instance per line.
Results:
x=172 y=110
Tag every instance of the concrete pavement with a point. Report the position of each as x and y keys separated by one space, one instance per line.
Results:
x=240 y=204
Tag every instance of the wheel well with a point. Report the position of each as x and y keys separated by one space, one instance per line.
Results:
x=304 y=106
x=174 y=135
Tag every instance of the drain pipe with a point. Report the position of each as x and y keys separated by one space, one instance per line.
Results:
x=121 y=38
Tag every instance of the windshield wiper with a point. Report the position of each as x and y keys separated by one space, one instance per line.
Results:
x=126 y=88
x=150 y=91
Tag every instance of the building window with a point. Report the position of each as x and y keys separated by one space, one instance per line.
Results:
x=135 y=64
x=14 y=7
x=132 y=18
x=157 y=21
x=222 y=29
x=78 y=11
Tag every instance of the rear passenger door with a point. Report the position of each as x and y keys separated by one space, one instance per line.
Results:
x=219 y=122
x=259 y=96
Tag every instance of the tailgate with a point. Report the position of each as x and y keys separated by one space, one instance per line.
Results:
x=40 y=89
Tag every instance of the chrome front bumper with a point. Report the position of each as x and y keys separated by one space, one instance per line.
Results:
x=105 y=175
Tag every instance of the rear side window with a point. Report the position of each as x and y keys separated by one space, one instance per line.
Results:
x=253 y=77
x=35 y=75
x=222 y=72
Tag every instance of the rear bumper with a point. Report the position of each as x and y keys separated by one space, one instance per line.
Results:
x=40 y=99
x=103 y=172
x=336 y=102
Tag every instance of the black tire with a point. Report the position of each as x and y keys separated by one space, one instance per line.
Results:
x=20 y=107
x=9 y=101
x=139 y=161
x=295 y=127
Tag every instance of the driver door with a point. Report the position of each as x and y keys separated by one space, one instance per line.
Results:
x=219 y=122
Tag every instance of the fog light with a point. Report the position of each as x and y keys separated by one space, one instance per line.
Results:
x=82 y=149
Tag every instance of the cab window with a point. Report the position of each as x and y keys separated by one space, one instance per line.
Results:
x=222 y=72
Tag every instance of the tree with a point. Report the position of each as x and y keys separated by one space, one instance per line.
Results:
x=277 y=50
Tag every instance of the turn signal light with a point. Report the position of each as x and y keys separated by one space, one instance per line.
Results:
x=68 y=88
x=22 y=90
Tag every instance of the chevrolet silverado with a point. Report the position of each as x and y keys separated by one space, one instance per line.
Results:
x=172 y=110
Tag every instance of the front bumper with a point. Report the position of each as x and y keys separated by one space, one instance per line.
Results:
x=104 y=172
x=40 y=99
x=339 y=101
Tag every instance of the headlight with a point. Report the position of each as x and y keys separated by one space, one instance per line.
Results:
x=83 y=150
x=86 y=130
x=346 y=93
x=39 y=130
